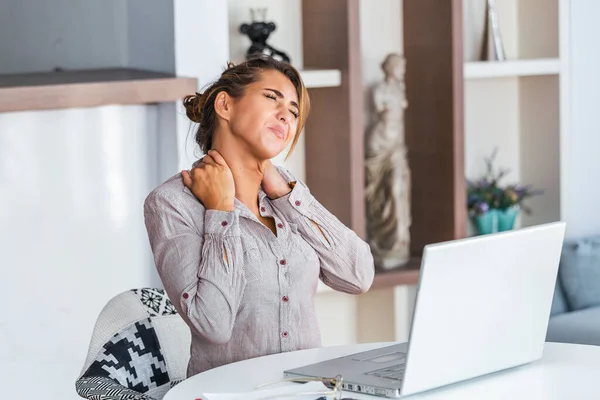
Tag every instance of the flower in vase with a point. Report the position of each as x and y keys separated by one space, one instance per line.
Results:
x=487 y=193
x=481 y=208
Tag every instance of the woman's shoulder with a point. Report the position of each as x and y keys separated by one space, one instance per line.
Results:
x=171 y=193
x=285 y=173
x=290 y=176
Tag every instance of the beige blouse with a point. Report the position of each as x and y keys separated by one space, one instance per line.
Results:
x=257 y=300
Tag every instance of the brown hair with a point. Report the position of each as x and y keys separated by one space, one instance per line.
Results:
x=200 y=106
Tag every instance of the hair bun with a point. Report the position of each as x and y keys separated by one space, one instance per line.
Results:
x=193 y=106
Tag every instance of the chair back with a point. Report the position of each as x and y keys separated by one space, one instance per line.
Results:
x=139 y=349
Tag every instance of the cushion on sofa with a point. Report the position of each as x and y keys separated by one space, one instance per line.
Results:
x=580 y=272
x=559 y=303
x=581 y=327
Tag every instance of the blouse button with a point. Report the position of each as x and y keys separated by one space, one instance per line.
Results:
x=185 y=295
x=285 y=299
x=280 y=225
x=282 y=262
x=224 y=223
x=262 y=209
x=298 y=202
x=284 y=334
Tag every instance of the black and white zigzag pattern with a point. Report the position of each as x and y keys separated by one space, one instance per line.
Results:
x=100 y=388
x=133 y=359
x=156 y=301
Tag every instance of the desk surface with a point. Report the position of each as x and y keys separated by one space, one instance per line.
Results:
x=566 y=371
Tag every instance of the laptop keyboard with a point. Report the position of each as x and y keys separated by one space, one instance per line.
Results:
x=395 y=372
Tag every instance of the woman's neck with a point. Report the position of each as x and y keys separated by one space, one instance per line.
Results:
x=247 y=173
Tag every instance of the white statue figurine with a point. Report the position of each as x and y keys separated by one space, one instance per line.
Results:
x=387 y=172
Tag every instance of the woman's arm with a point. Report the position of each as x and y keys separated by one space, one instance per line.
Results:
x=201 y=267
x=346 y=260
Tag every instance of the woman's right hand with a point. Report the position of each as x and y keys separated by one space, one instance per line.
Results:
x=212 y=182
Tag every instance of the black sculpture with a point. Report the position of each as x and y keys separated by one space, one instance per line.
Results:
x=258 y=32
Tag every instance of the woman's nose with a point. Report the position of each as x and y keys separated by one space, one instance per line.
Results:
x=284 y=116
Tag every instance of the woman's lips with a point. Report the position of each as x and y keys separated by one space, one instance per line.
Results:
x=278 y=131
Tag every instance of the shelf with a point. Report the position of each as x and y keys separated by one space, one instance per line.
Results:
x=407 y=275
x=501 y=69
x=90 y=88
x=321 y=78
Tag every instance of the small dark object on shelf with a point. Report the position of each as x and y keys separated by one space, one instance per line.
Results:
x=258 y=32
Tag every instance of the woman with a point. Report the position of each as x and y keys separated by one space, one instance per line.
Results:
x=238 y=244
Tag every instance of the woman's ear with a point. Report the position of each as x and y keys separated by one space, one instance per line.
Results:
x=223 y=105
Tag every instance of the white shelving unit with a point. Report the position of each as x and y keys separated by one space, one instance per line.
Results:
x=512 y=68
x=516 y=105
x=321 y=78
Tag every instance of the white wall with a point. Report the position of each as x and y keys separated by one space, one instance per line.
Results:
x=72 y=234
x=581 y=166
x=201 y=43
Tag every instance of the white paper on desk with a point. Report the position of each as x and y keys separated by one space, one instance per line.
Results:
x=274 y=393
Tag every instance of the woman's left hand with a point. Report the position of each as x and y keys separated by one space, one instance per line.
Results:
x=273 y=183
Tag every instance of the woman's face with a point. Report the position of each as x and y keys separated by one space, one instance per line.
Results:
x=266 y=116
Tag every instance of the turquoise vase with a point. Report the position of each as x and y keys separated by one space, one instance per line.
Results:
x=496 y=220
x=506 y=219
x=486 y=223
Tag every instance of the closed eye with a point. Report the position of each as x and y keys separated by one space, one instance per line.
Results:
x=273 y=97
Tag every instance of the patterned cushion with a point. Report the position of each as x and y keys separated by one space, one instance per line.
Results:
x=156 y=301
x=101 y=388
x=133 y=359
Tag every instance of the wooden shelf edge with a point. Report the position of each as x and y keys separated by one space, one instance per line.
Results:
x=78 y=89
x=406 y=275
x=511 y=68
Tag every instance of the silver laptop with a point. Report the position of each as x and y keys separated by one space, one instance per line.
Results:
x=483 y=305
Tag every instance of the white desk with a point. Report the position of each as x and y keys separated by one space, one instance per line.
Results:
x=566 y=371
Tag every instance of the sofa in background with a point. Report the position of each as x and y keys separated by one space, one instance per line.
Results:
x=575 y=314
